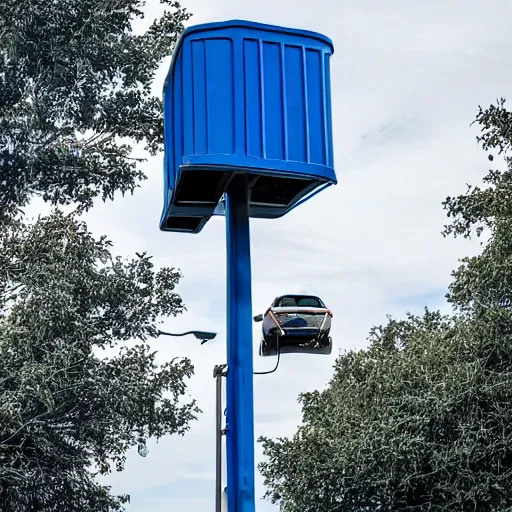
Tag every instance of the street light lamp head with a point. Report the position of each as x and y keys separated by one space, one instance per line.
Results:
x=203 y=335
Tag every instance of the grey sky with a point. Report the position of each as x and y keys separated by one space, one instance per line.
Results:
x=407 y=78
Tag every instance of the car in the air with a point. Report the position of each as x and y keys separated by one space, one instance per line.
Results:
x=296 y=324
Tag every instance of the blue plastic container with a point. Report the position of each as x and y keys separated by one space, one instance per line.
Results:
x=242 y=97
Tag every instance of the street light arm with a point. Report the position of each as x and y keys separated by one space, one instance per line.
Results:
x=174 y=334
x=200 y=335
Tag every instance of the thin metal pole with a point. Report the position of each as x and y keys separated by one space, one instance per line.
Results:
x=218 y=490
x=239 y=382
x=219 y=410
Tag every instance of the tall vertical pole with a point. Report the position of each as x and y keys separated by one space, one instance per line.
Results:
x=239 y=382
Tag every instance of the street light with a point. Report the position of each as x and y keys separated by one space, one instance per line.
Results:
x=200 y=335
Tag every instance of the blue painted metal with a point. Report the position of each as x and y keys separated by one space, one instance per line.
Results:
x=239 y=381
x=245 y=98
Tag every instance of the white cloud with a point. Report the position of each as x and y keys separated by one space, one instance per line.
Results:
x=406 y=82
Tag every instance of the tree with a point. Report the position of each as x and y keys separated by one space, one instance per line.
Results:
x=420 y=420
x=75 y=81
x=483 y=281
x=74 y=97
x=63 y=404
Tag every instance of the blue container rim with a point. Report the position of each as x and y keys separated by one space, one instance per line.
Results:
x=218 y=25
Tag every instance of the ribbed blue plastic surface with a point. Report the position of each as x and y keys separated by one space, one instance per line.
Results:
x=251 y=98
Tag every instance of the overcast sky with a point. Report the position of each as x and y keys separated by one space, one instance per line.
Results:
x=407 y=78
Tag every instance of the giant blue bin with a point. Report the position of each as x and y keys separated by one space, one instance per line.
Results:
x=243 y=97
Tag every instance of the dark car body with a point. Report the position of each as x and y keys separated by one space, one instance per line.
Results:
x=296 y=324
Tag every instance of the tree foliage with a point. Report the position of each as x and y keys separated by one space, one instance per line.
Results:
x=480 y=207
x=64 y=404
x=75 y=80
x=75 y=96
x=420 y=420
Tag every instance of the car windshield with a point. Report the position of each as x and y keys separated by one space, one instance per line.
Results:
x=301 y=301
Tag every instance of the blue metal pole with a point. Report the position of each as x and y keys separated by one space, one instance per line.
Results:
x=239 y=381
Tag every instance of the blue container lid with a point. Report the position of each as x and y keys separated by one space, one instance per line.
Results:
x=252 y=25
